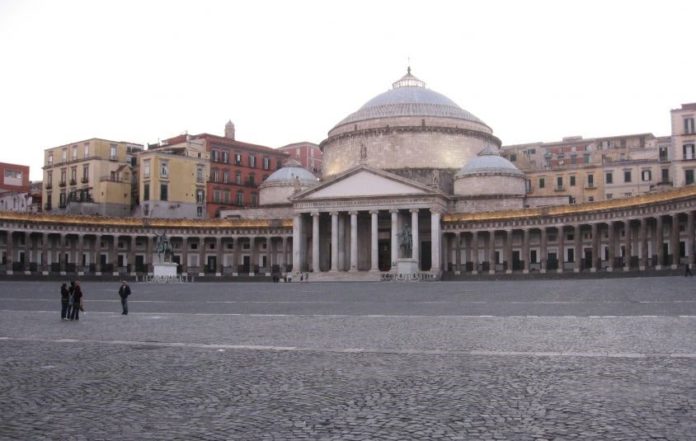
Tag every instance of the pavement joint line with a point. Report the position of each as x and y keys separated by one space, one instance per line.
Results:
x=360 y=350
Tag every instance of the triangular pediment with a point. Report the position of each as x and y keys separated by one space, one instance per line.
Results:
x=365 y=182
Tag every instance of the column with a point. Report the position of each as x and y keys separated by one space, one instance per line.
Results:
x=296 y=243
x=394 y=237
x=61 y=251
x=690 y=237
x=334 y=241
x=113 y=255
x=254 y=259
x=218 y=257
x=374 y=241
x=353 y=241
x=79 y=267
x=561 y=249
x=611 y=247
x=97 y=253
x=201 y=256
x=508 y=251
x=341 y=242
x=237 y=259
x=475 y=252
x=44 y=252
x=148 y=254
x=458 y=253
x=525 y=251
x=315 y=242
x=543 y=251
x=675 y=241
x=658 y=242
x=577 y=235
x=643 y=245
x=27 y=252
x=415 y=236
x=282 y=262
x=491 y=252
x=184 y=255
x=594 y=267
x=9 y=247
x=269 y=255
x=627 y=245
x=435 y=241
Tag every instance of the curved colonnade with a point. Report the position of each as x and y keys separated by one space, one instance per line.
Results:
x=653 y=231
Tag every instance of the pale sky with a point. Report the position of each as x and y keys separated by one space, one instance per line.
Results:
x=288 y=71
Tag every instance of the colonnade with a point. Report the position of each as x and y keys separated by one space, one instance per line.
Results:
x=350 y=241
x=26 y=251
x=648 y=242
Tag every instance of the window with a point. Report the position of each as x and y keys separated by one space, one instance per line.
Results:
x=214 y=155
x=252 y=161
x=559 y=183
x=590 y=199
x=610 y=196
x=254 y=199
x=146 y=191
x=215 y=175
x=216 y=196
x=688 y=177
x=200 y=196
x=164 y=192
x=146 y=168
x=590 y=181
x=542 y=182
x=74 y=153
x=62 y=199
x=238 y=178
x=665 y=175
x=266 y=163
x=199 y=175
x=664 y=154
x=226 y=157
x=85 y=173
x=64 y=155
x=627 y=175
x=226 y=177
x=238 y=158
x=608 y=178
x=112 y=153
x=49 y=179
x=646 y=175
x=164 y=169
x=252 y=180
x=240 y=198
x=572 y=181
x=73 y=175
x=50 y=158
x=689 y=125
x=199 y=211
x=688 y=150
x=86 y=151
x=63 y=176
x=586 y=158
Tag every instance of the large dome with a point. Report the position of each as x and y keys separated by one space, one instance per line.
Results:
x=409 y=97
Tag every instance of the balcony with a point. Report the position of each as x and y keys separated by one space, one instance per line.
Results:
x=590 y=187
x=112 y=179
x=48 y=186
x=62 y=184
x=73 y=182
x=84 y=180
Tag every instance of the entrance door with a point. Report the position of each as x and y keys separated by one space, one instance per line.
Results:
x=140 y=264
x=211 y=267
x=246 y=264
x=384 y=256
x=588 y=258
x=426 y=256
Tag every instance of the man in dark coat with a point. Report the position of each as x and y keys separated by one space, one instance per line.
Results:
x=64 y=298
x=124 y=291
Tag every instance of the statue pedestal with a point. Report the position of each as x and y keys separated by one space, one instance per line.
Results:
x=165 y=269
x=406 y=266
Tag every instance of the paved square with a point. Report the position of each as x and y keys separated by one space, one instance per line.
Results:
x=611 y=359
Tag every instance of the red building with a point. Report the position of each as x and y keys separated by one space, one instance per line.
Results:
x=14 y=178
x=307 y=154
x=236 y=169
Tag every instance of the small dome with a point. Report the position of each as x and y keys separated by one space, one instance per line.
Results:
x=489 y=162
x=409 y=97
x=291 y=171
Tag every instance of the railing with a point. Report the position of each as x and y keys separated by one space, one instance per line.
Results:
x=73 y=182
x=85 y=180
x=62 y=184
x=111 y=179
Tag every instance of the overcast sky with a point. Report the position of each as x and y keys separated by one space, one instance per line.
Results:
x=288 y=71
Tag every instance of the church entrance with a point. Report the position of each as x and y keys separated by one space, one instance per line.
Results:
x=384 y=259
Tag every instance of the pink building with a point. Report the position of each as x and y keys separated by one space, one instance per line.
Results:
x=306 y=153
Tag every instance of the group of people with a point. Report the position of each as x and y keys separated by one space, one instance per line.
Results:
x=72 y=299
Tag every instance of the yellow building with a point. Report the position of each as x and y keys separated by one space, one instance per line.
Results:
x=94 y=176
x=172 y=180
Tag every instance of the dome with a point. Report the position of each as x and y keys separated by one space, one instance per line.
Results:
x=409 y=97
x=489 y=162
x=290 y=171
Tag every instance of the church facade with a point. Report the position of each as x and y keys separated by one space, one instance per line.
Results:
x=411 y=183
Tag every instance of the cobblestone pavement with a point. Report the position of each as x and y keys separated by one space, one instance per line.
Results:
x=352 y=362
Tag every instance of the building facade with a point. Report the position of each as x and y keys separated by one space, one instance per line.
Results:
x=94 y=176
x=308 y=154
x=15 y=178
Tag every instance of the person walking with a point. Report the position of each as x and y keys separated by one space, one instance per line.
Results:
x=687 y=270
x=124 y=291
x=77 y=302
x=64 y=298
